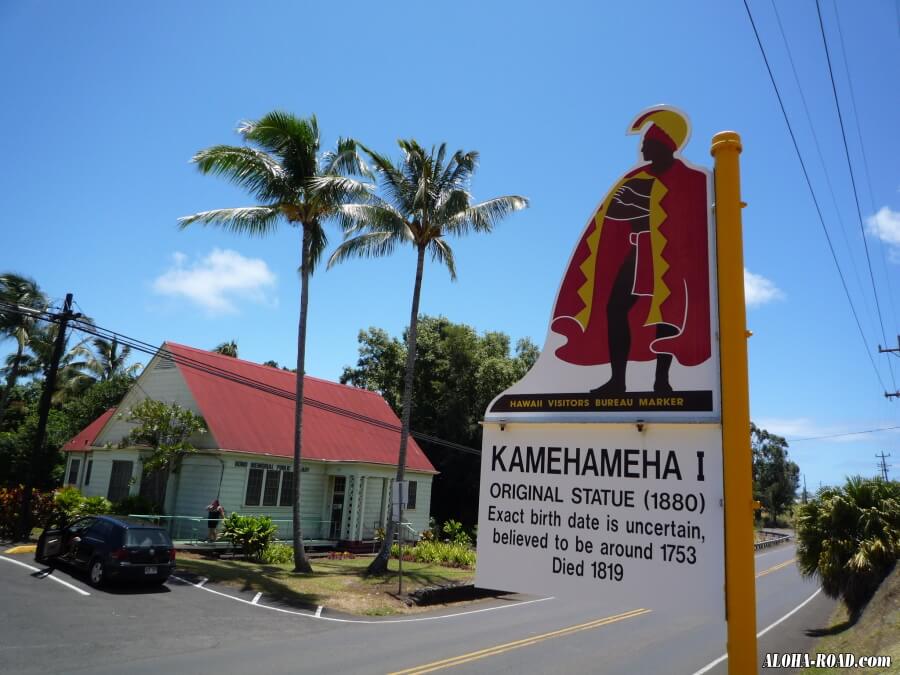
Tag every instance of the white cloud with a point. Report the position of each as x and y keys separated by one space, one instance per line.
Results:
x=885 y=225
x=216 y=281
x=758 y=290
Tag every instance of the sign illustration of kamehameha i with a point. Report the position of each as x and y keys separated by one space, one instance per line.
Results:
x=631 y=334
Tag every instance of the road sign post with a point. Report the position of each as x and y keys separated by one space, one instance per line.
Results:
x=740 y=600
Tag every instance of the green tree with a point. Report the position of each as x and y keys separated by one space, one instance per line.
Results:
x=71 y=378
x=775 y=477
x=109 y=359
x=229 y=348
x=17 y=293
x=426 y=200
x=849 y=537
x=165 y=428
x=457 y=373
x=278 y=166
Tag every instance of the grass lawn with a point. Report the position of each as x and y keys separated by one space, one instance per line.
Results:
x=335 y=584
x=876 y=633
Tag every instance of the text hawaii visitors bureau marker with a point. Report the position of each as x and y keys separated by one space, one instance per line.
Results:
x=602 y=470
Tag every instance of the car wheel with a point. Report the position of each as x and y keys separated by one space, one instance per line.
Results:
x=96 y=573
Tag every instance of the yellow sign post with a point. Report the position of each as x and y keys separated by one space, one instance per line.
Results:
x=740 y=583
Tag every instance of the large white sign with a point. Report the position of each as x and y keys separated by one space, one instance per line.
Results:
x=632 y=517
x=601 y=469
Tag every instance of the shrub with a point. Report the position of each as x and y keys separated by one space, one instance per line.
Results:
x=849 y=537
x=456 y=534
x=71 y=504
x=438 y=553
x=135 y=504
x=251 y=533
x=42 y=509
x=68 y=502
x=277 y=554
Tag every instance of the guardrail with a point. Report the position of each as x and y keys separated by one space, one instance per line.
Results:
x=775 y=538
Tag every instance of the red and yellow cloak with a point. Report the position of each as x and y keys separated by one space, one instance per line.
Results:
x=676 y=278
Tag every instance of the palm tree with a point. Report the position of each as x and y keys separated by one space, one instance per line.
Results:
x=277 y=166
x=229 y=348
x=849 y=537
x=16 y=292
x=108 y=360
x=427 y=199
x=71 y=380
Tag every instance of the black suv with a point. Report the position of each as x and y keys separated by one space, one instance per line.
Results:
x=110 y=547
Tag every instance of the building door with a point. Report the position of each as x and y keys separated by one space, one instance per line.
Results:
x=119 y=480
x=337 y=506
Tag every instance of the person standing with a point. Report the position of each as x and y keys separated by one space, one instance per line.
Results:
x=214 y=513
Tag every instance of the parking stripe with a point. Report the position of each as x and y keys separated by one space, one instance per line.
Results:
x=256 y=598
x=47 y=576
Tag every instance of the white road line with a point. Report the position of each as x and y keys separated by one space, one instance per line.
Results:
x=713 y=664
x=319 y=611
x=336 y=620
x=791 y=613
x=202 y=581
x=256 y=598
x=47 y=576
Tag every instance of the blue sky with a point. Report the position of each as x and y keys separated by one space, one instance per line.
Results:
x=105 y=103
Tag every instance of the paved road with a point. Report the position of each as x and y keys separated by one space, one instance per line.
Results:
x=50 y=627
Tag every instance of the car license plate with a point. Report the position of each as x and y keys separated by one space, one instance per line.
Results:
x=149 y=570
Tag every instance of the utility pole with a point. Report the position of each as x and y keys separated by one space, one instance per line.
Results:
x=890 y=350
x=883 y=465
x=38 y=451
x=805 y=493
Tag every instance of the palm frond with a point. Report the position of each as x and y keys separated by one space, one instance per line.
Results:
x=459 y=170
x=442 y=253
x=483 y=216
x=393 y=181
x=376 y=216
x=367 y=245
x=293 y=139
x=256 y=221
x=335 y=189
x=346 y=159
x=247 y=167
x=317 y=242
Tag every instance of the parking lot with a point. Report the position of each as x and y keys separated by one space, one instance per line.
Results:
x=53 y=621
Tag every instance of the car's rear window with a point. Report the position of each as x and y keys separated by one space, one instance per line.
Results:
x=146 y=537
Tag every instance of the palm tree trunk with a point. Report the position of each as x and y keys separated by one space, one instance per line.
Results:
x=379 y=565
x=10 y=382
x=301 y=563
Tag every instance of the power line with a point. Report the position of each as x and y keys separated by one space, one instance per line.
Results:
x=848 y=433
x=813 y=195
x=215 y=371
x=818 y=147
x=862 y=150
x=862 y=229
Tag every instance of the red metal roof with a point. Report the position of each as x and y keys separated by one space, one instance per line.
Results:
x=248 y=420
x=83 y=441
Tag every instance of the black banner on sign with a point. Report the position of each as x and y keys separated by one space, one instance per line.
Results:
x=637 y=401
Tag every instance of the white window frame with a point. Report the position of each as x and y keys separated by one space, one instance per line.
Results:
x=262 y=487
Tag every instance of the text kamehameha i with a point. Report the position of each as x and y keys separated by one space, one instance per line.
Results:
x=600 y=462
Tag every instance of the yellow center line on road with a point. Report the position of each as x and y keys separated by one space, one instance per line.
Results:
x=777 y=567
x=499 y=649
